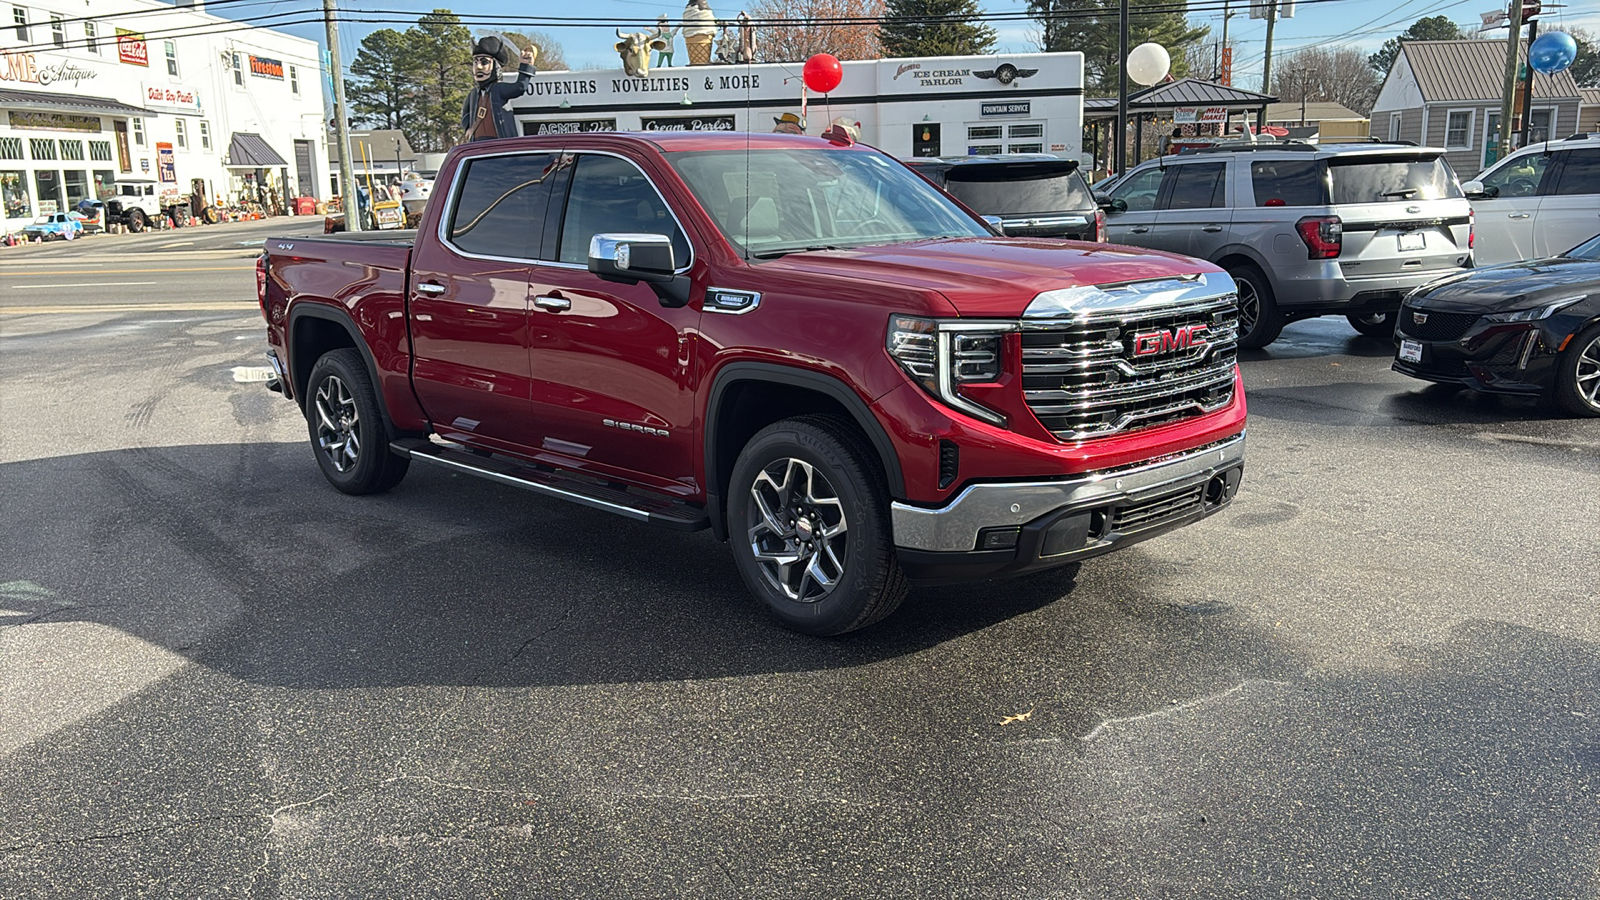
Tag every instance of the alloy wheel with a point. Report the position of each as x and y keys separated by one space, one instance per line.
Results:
x=1588 y=373
x=338 y=423
x=1249 y=305
x=797 y=530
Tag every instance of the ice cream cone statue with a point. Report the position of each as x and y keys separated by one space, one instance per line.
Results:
x=699 y=29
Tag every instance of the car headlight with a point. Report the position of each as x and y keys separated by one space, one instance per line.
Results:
x=942 y=355
x=1535 y=313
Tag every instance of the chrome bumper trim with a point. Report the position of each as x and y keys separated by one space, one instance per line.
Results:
x=954 y=527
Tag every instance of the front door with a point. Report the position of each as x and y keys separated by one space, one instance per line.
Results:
x=1504 y=221
x=612 y=367
x=469 y=302
x=1569 y=211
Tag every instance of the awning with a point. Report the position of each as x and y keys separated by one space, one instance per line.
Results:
x=76 y=103
x=249 y=151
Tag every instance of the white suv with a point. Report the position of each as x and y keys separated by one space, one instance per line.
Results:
x=1540 y=201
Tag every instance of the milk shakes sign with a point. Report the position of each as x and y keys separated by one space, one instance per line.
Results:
x=131 y=48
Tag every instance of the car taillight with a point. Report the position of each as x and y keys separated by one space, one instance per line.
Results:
x=1100 y=226
x=1472 y=228
x=261 y=282
x=1323 y=236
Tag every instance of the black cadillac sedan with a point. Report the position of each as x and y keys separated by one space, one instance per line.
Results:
x=1528 y=328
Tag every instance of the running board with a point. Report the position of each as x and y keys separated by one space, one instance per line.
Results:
x=630 y=504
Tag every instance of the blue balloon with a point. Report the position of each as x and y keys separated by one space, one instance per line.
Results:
x=1552 y=52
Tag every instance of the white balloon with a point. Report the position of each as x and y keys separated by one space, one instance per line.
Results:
x=1148 y=63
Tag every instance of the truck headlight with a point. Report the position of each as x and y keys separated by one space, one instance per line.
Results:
x=942 y=355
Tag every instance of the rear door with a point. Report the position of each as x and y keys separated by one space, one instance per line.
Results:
x=611 y=366
x=1402 y=214
x=1569 y=211
x=470 y=299
x=1505 y=221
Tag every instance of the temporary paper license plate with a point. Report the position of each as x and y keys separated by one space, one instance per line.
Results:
x=1410 y=351
x=1412 y=240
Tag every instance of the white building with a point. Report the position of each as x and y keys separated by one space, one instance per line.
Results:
x=96 y=92
x=928 y=106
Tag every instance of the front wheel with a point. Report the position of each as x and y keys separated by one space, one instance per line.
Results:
x=347 y=428
x=1578 y=374
x=1259 y=319
x=1378 y=325
x=808 y=511
x=136 y=221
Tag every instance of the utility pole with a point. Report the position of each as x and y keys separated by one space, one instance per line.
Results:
x=1266 y=66
x=341 y=123
x=1121 y=155
x=1503 y=145
x=1527 y=90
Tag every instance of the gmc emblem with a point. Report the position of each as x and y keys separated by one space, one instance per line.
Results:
x=1184 y=337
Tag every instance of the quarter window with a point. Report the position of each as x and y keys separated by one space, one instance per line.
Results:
x=501 y=208
x=611 y=195
x=1288 y=182
x=1580 y=173
x=1196 y=186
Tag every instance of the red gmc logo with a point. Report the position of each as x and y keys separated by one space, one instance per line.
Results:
x=1184 y=337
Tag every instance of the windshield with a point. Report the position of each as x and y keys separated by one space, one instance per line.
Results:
x=771 y=202
x=1366 y=179
x=1589 y=249
x=1001 y=190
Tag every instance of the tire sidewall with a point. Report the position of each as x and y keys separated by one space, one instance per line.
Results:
x=367 y=474
x=1567 y=375
x=841 y=609
x=1268 y=324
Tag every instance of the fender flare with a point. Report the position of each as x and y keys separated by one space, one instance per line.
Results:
x=341 y=318
x=806 y=379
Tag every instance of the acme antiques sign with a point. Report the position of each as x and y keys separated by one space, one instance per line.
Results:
x=25 y=67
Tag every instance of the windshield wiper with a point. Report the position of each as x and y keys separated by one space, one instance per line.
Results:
x=784 y=251
x=1405 y=192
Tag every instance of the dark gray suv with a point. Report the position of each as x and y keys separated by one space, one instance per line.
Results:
x=1032 y=194
x=1305 y=230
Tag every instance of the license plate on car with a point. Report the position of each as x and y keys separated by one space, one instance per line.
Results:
x=1410 y=351
x=1412 y=240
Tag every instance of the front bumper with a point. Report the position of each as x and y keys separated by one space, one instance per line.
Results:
x=1515 y=358
x=999 y=529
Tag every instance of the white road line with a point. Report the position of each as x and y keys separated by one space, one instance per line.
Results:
x=78 y=287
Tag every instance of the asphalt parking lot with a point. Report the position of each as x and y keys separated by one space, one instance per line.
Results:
x=1375 y=676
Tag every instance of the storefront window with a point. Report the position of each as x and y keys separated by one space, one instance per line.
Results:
x=77 y=187
x=105 y=184
x=14 y=194
x=72 y=149
x=48 y=184
x=43 y=148
x=11 y=148
x=100 y=151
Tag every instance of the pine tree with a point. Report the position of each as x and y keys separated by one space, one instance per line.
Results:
x=908 y=31
x=1087 y=26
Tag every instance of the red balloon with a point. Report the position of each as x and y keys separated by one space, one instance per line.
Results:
x=822 y=72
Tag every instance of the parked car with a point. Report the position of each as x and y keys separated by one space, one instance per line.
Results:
x=1305 y=230
x=1529 y=328
x=793 y=342
x=1032 y=194
x=1537 y=201
x=53 y=227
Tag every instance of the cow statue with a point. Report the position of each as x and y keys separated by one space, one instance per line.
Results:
x=635 y=50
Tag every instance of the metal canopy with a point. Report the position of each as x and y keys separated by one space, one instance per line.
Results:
x=1194 y=92
x=249 y=151
x=72 y=103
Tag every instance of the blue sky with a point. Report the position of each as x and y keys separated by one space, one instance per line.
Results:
x=1362 y=24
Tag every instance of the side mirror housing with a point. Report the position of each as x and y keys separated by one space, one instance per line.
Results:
x=1110 y=204
x=995 y=224
x=1476 y=191
x=635 y=258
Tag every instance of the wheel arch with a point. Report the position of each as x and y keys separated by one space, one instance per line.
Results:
x=746 y=397
x=313 y=331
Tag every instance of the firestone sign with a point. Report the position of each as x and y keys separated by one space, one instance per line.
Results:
x=263 y=67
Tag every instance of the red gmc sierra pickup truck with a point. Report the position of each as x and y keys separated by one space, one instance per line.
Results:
x=795 y=342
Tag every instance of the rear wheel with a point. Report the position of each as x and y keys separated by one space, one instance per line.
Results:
x=347 y=428
x=809 y=514
x=1374 y=325
x=1259 y=319
x=1578 y=374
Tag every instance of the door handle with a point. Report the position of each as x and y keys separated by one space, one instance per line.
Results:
x=430 y=288
x=1212 y=228
x=554 y=304
x=1139 y=229
x=1518 y=215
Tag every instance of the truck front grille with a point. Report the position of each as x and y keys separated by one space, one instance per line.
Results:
x=1110 y=371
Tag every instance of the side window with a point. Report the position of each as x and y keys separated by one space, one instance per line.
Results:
x=501 y=207
x=1140 y=190
x=1196 y=186
x=1579 y=174
x=1288 y=182
x=1519 y=177
x=611 y=195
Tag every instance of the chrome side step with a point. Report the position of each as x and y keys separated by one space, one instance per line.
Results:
x=630 y=504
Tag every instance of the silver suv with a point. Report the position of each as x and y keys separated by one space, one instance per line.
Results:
x=1305 y=230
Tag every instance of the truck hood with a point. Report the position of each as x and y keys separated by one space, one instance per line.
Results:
x=992 y=277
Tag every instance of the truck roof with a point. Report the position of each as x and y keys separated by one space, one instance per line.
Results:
x=678 y=141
